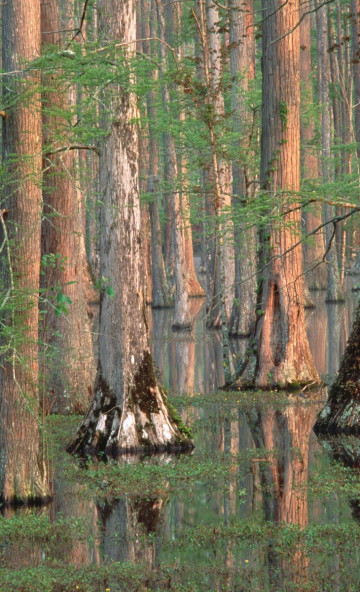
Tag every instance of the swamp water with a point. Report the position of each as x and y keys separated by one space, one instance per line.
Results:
x=260 y=505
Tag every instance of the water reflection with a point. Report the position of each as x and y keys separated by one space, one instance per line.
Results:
x=193 y=362
x=124 y=528
x=142 y=530
x=284 y=480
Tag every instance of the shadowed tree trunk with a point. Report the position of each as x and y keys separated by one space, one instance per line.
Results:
x=223 y=260
x=355 y=61
x=242 y=65
x=334 y=292
x=69 y=358
x=342 y=410
x=341 y=86
x=128 y=411
x=279 y=353
x=23 y=476
x=161 y=297
x=314 y=266
x=182 y=317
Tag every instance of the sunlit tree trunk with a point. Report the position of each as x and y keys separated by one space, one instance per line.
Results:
x=194 y=288
x=68 y=352
x=128 y=411
x=279 y=352
x=242 y=66
x=23 y=475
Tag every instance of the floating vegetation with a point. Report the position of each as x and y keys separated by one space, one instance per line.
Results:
x=259 y=506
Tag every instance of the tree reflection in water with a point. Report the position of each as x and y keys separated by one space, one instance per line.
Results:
x=143 y=530
x=284 y=480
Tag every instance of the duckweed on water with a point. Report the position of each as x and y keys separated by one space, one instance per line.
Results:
x=195 y=523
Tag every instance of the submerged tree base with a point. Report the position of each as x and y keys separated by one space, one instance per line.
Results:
x=286 y=375
x=342 y=411
x=144 y=423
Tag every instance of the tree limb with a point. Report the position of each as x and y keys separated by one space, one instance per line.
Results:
x=73 y=147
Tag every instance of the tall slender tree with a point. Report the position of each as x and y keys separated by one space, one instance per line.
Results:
x=160 y=290
x=242 y=66
x=182 y=317
x=128 y=411
x=279 y=353
x=314 y=266
x=23 y=475
x=70 y=368
x=334 y=291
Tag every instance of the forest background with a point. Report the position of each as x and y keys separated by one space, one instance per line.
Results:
x=179 y=100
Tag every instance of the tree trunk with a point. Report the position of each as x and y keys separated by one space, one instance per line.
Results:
x=314 y=266
x=355 y=61
x=334 y=291
x=161 y=297
x=129 y=411
x=342 y=410
x=341 y=101
x=242 y=66
x=68 y=351
x=194 y=288
x=23 y=476
x=182 y=317
x=221 y=170
x=279 y=353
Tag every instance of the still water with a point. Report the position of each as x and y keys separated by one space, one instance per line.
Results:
x=260 y=505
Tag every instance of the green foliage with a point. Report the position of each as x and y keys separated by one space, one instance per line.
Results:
x=103 y=285
x=55 y=295
x=283 y=111
x=192 y=553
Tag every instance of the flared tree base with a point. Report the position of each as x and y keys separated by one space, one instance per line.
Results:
x=341 y=413
x=145 y=423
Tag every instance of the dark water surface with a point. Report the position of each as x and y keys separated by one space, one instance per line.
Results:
x=260 y=505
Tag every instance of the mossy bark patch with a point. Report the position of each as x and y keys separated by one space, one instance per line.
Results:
x=143 y=394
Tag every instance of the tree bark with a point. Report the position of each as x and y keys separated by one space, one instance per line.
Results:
x=223 y=285
x=242 y=67
x=68 y=353
x=194 y=288
x=23 y=475
x=182 y=317
x=161 y=297
x=342 y=411
x=355 y=61
x=129 y=411
x=314 y=266
x=334 y=291
x=279 y=353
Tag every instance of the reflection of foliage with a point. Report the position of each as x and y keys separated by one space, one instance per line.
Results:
x=193 y=553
